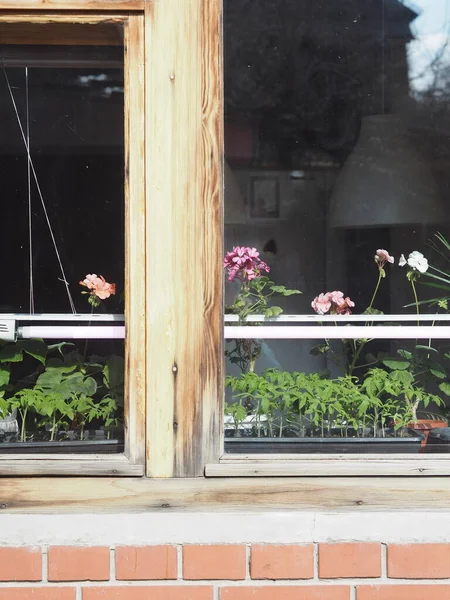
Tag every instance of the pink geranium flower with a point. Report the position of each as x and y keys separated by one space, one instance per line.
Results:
x=382 y=257
x=337 y=297
x=344 y=307
x=322 y=303
x=99 y=288
x=90 y=281
x=244 y=263
x=332 y=302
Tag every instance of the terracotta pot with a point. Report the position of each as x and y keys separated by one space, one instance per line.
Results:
x=425 y=426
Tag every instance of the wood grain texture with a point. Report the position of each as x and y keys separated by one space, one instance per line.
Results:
x=61 y=34
x=311 y=465
x=108 y=495
x=70 y=464
x=43 y=18
x=184 y=236
x=135 y=343
x=72 y=4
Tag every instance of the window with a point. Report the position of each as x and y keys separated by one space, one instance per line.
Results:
x=336 y=172
x=299 y=99
x=72 y=175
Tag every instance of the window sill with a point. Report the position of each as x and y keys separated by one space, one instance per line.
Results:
x=104 y=495
x=68 y=464
x=312 y=465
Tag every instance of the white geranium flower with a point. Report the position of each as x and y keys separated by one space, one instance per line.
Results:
x=416 y=260
x=402 y=261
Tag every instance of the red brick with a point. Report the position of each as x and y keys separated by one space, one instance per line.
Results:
x=403 y=592
x=418 y=561
x=289 y=592
x=269 y=561
x=182 y=592
x=68 y=563
x=42 y=593
x=214 y=562
x=20 y=564
x=349 y=560
x=146 y=562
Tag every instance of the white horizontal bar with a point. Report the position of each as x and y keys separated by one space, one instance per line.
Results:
x=337 y=332
x=56 y=332
x=339 y=318
x=62 y=317
x=235 y=318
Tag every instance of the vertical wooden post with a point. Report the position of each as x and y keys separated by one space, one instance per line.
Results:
x=135 y=240
x=184 y=235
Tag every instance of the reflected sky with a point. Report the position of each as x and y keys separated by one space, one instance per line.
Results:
x=431 y=29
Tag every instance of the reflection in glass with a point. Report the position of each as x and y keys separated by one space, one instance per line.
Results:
x=61 y=168
x=337 y=150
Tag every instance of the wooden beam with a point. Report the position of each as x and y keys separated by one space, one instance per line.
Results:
x=184 y=236
x=72 y=4
x=135 y=352
x=63 y=495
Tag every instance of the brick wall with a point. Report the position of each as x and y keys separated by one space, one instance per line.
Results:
x=313 y=571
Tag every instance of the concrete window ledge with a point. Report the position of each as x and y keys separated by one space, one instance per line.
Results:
x=179 y=527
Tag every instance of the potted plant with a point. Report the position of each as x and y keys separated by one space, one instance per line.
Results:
x=376 y=398
x=63 y=400
x=255 y=296
x=309 y=413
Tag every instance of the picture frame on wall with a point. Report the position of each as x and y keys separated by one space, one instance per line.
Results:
x=264 y=197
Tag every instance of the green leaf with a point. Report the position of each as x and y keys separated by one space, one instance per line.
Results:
x=438 y=370
x=426 y=348
x=372 y=311
x=445 y=387
x=114 y=372
x=73 y=358
x=396 y=364
x=49 y=379
x=278 y=289
x=403 y=377
x=319 y=349
x=11 y=353
x=90 y=386
x=55 y=364
x=284 y=291
x=405 y=354
x=35 y=348
x=440 y=286
x=4 y=407
x=5 y=372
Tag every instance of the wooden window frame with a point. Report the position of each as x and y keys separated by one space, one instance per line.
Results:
x=175 y=317
x=131 y=462
x=174 y=174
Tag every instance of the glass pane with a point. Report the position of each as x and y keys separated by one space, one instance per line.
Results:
x=62 y=173
x=337 y=170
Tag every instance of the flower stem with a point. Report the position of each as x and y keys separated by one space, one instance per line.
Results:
x=376 y=288
x=416 y=299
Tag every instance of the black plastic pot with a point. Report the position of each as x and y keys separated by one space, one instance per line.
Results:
x=75 y=447
x=386 y=445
